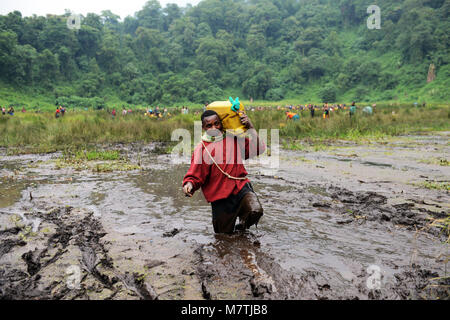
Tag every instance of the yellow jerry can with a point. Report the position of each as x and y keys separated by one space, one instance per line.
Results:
x=230 y=118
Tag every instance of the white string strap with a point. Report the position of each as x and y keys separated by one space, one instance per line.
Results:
x=218 y=167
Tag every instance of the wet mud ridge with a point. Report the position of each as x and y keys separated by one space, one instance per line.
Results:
x=348 y=207
x=373 y=207
x=45 y=263
x=249 y=274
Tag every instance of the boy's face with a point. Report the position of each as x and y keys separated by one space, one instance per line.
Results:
x=212 y=125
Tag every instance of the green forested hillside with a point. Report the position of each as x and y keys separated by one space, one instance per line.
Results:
x=265 y=50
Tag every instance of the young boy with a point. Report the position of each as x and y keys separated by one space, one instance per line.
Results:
x=217 y=168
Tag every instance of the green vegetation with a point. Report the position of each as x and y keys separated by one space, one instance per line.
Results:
x=381 y=125
x=82 y=128
x=435 y=185
x=275 y=50
x=293 y=145
x=437 y=161
x=30 y=132
x=97 y=167
x=94 y=160
x=444 y=224
x=97 y=155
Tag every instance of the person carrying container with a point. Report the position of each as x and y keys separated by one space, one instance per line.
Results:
x=217 y=168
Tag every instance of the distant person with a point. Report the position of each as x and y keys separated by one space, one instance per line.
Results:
x=63 y=111
x=3 y=110
x=114 y=112
x=11 y=111
x=326 y=111
x=368 y=110
x=292 y=115
x=57 y=113
x=352 y=109
x=312 y=109
x=23 y=110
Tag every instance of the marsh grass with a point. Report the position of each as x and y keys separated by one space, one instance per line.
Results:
x=36 y=133
x=436 y=161
x=444 y=225
x=434 y=185
x=97 y=155
x=89 y=158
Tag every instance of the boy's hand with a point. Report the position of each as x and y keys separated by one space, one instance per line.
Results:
x=245 y=120
x=187 y=189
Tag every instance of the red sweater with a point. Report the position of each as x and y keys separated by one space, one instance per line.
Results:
x=204 y=174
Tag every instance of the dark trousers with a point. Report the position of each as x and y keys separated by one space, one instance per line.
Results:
x=244 y=205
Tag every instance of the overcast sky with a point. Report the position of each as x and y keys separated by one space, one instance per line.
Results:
x=122 y=8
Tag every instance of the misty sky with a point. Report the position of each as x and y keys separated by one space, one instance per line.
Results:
x=42 y=7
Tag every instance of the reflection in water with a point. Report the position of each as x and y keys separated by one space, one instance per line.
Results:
x=10 y=191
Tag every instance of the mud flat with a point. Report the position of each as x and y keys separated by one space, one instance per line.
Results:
x=348 y=222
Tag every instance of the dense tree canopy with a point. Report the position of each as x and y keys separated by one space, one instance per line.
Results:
x=266 y=49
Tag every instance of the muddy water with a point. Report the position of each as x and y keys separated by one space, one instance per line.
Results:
x=322 y=235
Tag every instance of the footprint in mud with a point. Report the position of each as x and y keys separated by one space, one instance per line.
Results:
x=171 y=233
x=235 y=267
x=261 y=283
x=75 y=240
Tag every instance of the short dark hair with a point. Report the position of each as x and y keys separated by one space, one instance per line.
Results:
x=208 y=113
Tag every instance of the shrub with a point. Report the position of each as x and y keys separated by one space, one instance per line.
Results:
x=328 y=93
